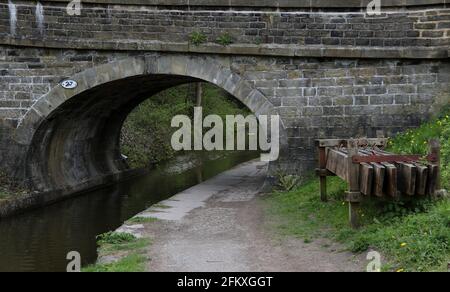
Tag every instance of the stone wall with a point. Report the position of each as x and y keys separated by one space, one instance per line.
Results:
x=329 y=74
x=316 y=97
x=139 y=27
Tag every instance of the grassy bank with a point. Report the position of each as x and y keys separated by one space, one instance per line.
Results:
x=147 y=132
x=126 y=253
x=413 y=236
x=416 y=142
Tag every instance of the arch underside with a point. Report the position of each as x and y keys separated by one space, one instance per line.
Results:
x=76 y=134
x=80 y=139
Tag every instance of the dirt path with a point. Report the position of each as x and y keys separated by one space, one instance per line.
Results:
x=219 y=226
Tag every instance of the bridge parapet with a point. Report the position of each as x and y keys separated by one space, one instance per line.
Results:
x=280 y=4
x=414 y=32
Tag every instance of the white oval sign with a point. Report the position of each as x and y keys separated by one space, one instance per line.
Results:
x=69 y=84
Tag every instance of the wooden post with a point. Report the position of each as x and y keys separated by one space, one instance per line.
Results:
x=323 y=170
x=435 y=149
x=354 y=193
x=199 y=94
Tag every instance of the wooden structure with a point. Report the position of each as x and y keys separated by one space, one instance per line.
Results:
x=372 y=172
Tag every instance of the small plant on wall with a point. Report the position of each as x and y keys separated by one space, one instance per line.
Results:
x=197 y=38
x=225 y=39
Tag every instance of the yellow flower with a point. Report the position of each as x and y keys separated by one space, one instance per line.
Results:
x=400 y=270
x=403 y=244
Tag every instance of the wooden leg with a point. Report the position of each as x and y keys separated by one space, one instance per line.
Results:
x=354 y=192
x=435 y=149
x=323 y=178
x=323 y=189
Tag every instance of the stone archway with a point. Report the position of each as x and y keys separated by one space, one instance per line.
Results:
x=72 y=136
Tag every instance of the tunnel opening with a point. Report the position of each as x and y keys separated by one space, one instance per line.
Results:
x=147 y=131
x=79 y=140
x=83 y=138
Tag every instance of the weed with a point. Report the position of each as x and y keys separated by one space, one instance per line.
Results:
x=115 y=238
x=225 y=39
x=197 y=38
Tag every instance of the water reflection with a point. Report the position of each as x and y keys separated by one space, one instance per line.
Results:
x=40 y=240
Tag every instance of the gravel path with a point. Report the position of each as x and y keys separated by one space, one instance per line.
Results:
x=219 y=226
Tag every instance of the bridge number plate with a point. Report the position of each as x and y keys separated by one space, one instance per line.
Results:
x=69 y=84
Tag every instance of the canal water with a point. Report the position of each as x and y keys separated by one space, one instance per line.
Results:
x=40 y=240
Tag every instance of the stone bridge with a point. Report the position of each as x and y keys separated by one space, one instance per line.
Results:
x=327 y=67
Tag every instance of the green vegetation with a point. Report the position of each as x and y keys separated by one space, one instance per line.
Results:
x=147 y=132
x=115 y=238
x=9 y=188
x=287 y=182
x=416 y=142
x=258 y=41
x=415 y=236
x=161 y=206
x=225 y=39
x=129 y=251
x=197 y=38
x=141 y=220
x=129 y=264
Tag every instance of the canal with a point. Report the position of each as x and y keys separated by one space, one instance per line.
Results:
x=40 y=240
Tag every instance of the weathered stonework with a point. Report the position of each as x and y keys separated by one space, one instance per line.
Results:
x=328 y=74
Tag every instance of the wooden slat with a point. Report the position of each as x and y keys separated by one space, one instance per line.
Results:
x=391 y=180
x=433 y=173
x=337 y=163
x=331 y=161
x=406 y=175
x=379 y=177
x=421 y=180
x=366 y=178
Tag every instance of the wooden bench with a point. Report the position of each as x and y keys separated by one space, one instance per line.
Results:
x=372 y=172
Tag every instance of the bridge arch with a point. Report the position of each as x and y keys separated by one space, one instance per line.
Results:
x=72 y=135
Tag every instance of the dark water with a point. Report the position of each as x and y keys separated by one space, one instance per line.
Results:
x=41 y=239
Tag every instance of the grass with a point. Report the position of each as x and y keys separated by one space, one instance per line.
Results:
x=137 y=244
x=115 y=238
x=129 y=250
x=416 y=142
x=141 y=220
x=128 y=264
x=414 y=236
x=161 y=206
